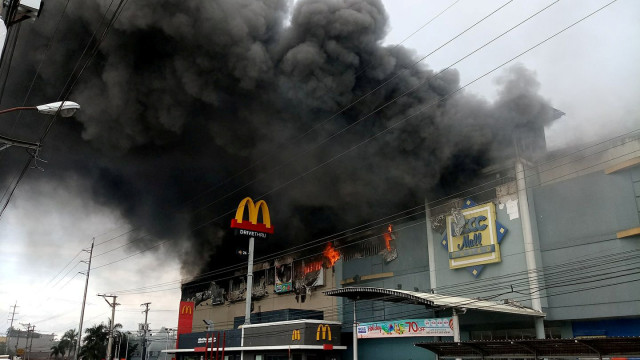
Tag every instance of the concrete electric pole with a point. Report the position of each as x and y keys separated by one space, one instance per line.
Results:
x=144 y=330
x=84 y=301
x=33 y=330
x=13 y=315
x=113 y=305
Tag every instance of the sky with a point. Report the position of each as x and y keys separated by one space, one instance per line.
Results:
x=589 y=72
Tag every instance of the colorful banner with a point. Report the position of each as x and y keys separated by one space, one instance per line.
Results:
x=284 y=278
x=405 y=328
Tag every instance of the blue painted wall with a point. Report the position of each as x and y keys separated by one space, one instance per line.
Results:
x=609 y=328
x=574 y=221
x=577 y=222
x=391 y=349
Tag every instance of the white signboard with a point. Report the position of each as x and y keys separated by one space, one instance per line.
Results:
x=404 y=328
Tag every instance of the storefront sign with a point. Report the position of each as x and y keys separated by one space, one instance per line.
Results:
x=185 y=317
x=297 y=332
x=251 y=227
x=476 y=242
x=405 y=328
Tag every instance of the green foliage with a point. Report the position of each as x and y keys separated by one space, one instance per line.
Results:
x=95 y=340
x=58 y=350
x=70 y=340
x=94 y=343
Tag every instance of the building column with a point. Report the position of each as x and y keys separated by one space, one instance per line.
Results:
x=529 y=249
x=355 y=333
x=430 y=248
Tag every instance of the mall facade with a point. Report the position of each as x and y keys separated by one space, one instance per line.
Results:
x=539 y=247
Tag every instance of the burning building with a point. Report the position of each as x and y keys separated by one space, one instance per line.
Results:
x=185 y=104
x=493 y=262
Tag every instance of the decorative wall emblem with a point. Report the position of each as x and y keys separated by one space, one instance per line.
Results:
x=473 y=237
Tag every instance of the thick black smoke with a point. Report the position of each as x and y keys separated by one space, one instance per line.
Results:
x=184 y=97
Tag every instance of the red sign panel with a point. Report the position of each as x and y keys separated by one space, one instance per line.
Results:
x=185 y=318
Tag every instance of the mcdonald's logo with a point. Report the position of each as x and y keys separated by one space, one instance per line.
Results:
x=326 y=332
x=186 y=309
x=295 y=335
x=252 y=223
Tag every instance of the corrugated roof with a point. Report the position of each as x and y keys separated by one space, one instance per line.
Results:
x=549 y=348
x=431 y=300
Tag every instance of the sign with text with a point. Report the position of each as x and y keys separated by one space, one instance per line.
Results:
x=406 y=328
x=476 y=243
x=251 y=227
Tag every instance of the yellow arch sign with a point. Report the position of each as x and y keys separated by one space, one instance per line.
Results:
x=252 y=223
x=325 y=330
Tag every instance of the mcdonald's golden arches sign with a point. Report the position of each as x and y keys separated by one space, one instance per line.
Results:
x=187 y=309
x=295 y=335
x=185 y=317
x=323 y=332
x=251 y=227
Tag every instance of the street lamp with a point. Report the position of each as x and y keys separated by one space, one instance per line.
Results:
x=62 y=108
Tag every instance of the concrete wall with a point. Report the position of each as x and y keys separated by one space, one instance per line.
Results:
x=585 y=271
x=222 y=315
x=396 y=349
x=410 y=271
x=578 y=220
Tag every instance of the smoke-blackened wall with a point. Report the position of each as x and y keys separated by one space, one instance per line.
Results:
x=187 y=107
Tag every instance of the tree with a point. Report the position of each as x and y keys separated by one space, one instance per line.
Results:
x=129 y=343
x=70 y=339
x=94 y=343
x=58 y=350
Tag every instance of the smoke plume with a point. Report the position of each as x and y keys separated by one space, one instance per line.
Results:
x=190 y=106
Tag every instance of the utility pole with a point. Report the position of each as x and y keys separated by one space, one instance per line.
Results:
x=13 y=314
x=84 y=301
x=17 y=341
x=144 y=330
x=26 y=344
x=33 y=330
x=113 y=305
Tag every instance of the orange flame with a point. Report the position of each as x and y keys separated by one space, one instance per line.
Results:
x=331 y=254
x=388 y=237
x=314 y=266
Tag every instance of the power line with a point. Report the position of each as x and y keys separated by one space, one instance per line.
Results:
x=313 y=169
x=299 y=153
x=350 y=105
x=530 y=187
x=448 y=196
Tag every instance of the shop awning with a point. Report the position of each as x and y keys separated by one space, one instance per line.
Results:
x=543 y=348
x=436 y=301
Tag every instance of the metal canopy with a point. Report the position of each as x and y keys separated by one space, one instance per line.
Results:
x=547 y=348
x=431 y=300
